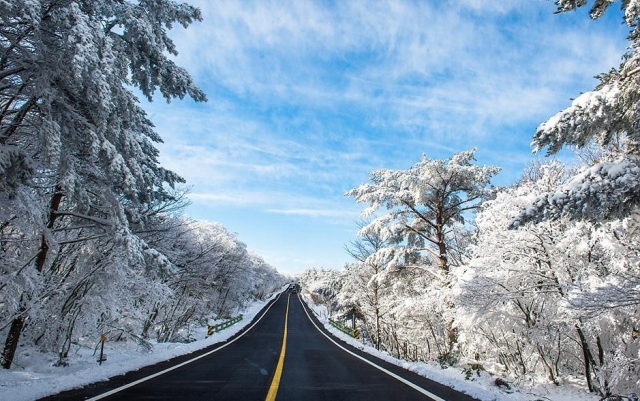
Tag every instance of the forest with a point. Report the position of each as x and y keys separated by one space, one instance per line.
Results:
x=538 y=281
x=93 y=238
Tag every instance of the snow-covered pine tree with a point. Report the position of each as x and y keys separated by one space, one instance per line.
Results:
x=425 y=206
x=77 y=152
x=528 y=291
x=365 y=284
x=610 y=188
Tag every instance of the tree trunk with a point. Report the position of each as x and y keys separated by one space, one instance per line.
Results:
x=353 y=318
x=588 y=358
x=605 y=390
x=224 y=300
x=440 y=236
x=377 y=328
x=44 y=247
x=150 y=320
x=11 y=344
x=551 y=374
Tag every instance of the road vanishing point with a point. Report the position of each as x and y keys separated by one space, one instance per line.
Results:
x=284 y=354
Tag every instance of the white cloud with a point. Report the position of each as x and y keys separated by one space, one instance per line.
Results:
x=410 y=52
x=460 y=68
x=343 y=214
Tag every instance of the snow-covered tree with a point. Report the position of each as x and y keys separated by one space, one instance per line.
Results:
x=610 y=188
x=91 y=237
x=424 y=204
x=211 y=275
x=364 y=285
x=77 y=153
x=525 y=287
x=606 y=192
x=324 y=286
x=426 y=208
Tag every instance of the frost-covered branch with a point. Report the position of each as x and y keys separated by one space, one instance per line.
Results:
x=604 y=191
x=425 y=201
x=97 y=220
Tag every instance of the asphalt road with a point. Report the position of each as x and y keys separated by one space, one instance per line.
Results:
x=313 y=368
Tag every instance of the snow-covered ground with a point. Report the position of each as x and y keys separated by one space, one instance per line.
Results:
x=33 y=376
x=482 y=387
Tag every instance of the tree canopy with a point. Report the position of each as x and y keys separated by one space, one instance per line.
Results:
x=424 y=204
x=607 y=116
x=89 y=219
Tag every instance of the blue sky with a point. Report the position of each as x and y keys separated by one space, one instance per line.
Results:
x=307 y=97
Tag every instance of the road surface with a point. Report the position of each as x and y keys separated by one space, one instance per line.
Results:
x=284 y=356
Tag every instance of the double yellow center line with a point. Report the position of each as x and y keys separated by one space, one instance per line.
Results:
x=275 y=383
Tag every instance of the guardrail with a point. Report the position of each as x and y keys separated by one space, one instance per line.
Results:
x=221 y=326
x=355 y=333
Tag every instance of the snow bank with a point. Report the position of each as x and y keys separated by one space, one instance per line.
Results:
x=34 y=375
x=481 y=387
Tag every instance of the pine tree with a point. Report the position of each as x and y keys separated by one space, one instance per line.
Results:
x=77 y=154
x=425 y=206
x=608 y=116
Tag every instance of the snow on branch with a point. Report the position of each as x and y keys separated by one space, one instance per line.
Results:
x=592 y=115
x=98 y=220
x=603 y=191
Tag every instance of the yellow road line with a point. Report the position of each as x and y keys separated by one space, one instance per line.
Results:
x=275 y=383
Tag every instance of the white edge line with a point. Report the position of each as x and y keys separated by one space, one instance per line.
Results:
x=395 y=376
x=144 y=379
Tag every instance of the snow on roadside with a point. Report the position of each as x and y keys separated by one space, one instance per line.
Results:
x=34 y=376
x=481 y=387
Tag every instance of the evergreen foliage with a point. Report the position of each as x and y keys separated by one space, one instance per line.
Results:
x=608 y=117
x=90 y=242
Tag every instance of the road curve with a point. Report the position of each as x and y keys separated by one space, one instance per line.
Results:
x=312 y=368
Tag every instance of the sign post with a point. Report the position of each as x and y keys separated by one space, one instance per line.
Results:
x=103 y=357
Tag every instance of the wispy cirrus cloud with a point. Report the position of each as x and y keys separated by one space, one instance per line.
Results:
x=331 y=213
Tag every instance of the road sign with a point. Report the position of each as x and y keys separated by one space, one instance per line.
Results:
x=356 y=334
